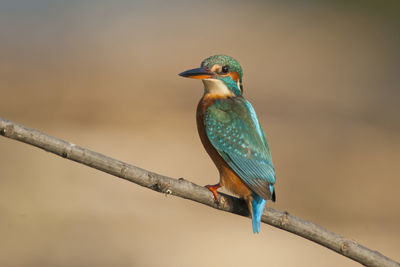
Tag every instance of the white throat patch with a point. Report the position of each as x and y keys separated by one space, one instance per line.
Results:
x=216 y=87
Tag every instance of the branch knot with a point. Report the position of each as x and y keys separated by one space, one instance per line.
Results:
x=284 y=220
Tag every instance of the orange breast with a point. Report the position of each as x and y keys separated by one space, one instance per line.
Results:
x=228 y=177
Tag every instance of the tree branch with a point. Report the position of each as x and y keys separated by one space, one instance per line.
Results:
x=188 y=190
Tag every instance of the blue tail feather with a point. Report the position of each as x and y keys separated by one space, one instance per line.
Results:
x=257 y=204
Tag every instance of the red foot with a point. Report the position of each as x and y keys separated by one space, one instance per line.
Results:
x=213 y=189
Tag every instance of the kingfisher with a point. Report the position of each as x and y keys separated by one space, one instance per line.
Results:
x=232 y=135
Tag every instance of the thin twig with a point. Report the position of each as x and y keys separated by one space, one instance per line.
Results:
x=185 y=189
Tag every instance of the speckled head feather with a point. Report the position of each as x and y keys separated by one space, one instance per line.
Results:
x=223 y=60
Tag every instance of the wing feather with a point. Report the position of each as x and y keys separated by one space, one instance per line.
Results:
x=233 y=129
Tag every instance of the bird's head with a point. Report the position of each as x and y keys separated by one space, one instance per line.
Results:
x=221 y=75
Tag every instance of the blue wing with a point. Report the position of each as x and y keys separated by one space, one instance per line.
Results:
x=233 y=129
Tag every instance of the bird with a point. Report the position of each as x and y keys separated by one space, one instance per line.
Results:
x=232 y=135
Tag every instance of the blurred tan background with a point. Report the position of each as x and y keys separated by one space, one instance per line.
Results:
x=323 y=78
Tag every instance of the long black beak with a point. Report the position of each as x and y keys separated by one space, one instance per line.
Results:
x=198 y=73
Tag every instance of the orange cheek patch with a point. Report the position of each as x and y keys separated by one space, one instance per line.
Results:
x=234 y=75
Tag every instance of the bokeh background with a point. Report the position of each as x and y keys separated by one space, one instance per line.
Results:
x=323 y=77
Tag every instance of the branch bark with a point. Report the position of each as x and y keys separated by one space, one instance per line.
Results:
x=188 y=190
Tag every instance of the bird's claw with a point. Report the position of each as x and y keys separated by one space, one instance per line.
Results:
x=213 y=189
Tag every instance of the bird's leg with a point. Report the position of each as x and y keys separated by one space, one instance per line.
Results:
x=213 y=189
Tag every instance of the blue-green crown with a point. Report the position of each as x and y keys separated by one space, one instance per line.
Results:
x=223 y=60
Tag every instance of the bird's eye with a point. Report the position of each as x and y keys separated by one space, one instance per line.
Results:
x=225 y=69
